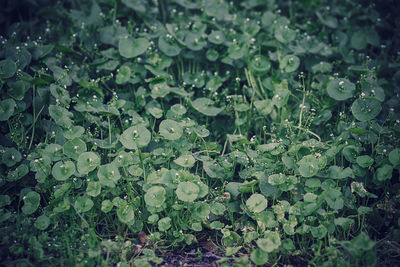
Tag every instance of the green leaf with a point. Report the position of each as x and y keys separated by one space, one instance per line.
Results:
x=61 y=116
x=186 y=161
x=319 y=231
x=170 y=130
x=74 y=148
x=289 y=63
x=130 y=48
x=18 y=173
x=31 y=202
x=123 y=75
x=108 y=174
x=87 y=162
x=187 y=191
x=358 y=40
x=125 y=213
x=106 y=206
x=73 y=132
x=364 y=161
x=93 y=188
x=216 y=37
x=168 y=45
x=284 y=34
x=63 y=170
x=264 y=107
x=365 y=109
x=83 y=204
x=230 y=251
x=16 y=89
x=340 y=89
x=259 y=256
x=310 y=165
x=257 y=203
x=164 y=224
x=7 y=68
x=4 y=201
x=135 y=137
x=259 y=65
x=384 y=173
x=155 y=196
x=6 y=108
x=394 y=157
x=271 y=242
x=11 y=156
x=42 y=222
x=206 y=106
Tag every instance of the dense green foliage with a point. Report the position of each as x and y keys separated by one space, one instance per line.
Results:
x=131 y=127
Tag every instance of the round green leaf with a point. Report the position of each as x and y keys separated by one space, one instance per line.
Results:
x=170 y=130
x=16 y=90
x=365 y=109
x=259 y=256
x=7 y=68
x=73 y=148
x=106 y=206
x=125 y=213
x=63 y=170
x=6 y=108
x=364 y=161
x=4 y=201
x=164 y=224
x=289 y=63
x=216 y=37
x=168 y=45
x=135 y=137
x=42 y=222
x=130 y=48
x=218 y=208
x=108 y=174
x=186 y=161
x=212 y=55
x=259 y=65
x=73 y=132
x=310 y=165
x=18 y=173
x=284 y=34
x=187 y=191
x=205 y=106
x=87 y=162
x=93 y=188
x=257 y=203
x=123 y=75
x=271 y=242
x=340 y=89
x=155 y=196
x=61 y=116
x=358 y=40
x=384 y=173
x=195 y=41
x=11 y=156
x=83 y=204
x=31 y=202
x=319 y=231
x=178 y=109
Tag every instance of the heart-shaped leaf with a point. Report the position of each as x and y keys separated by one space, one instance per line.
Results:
x=74 y=148
x=289 y=63
x=186 y=161
x=73 y=132
x=125 y=213
x=259 y=65
x=271 y=242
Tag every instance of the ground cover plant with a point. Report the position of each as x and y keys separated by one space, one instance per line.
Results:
x=241 y=133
